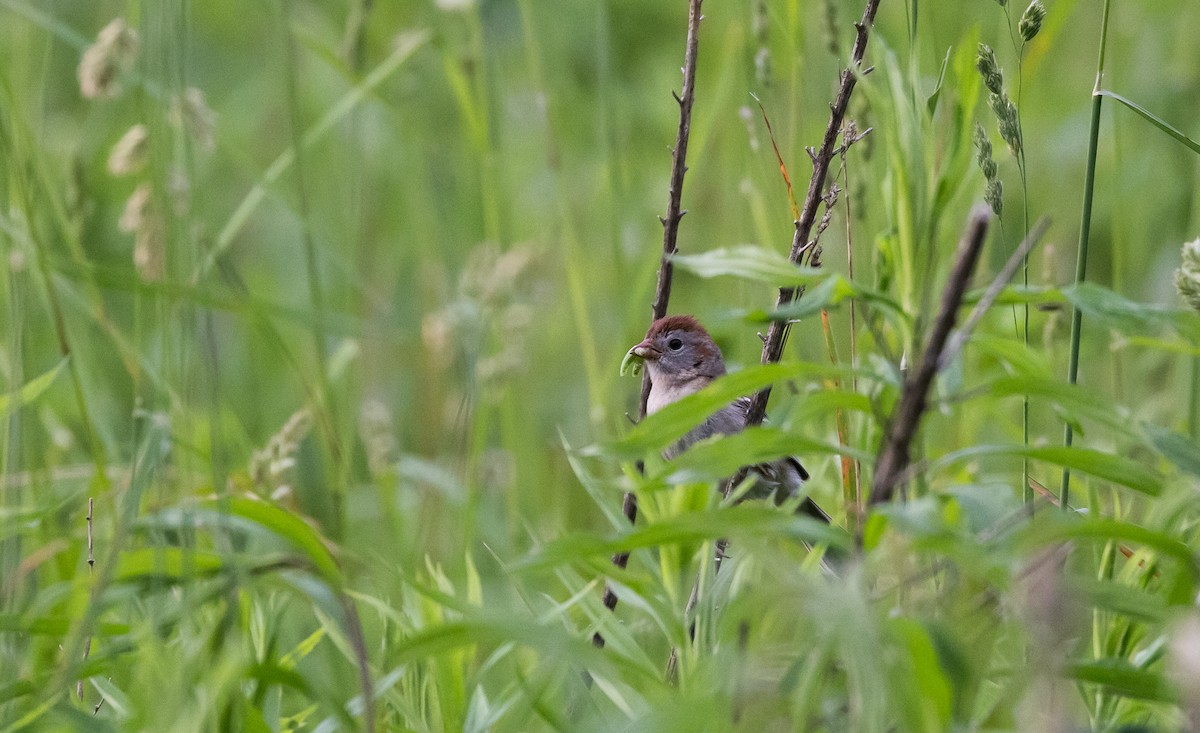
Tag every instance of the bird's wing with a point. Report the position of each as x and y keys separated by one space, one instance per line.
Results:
x=742 y=406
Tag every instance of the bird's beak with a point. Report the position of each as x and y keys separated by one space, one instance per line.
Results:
x=632 y=363
x=645 y=350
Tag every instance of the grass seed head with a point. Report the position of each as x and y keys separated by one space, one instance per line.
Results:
x=993 y=77
x=129 y=154
x=190 y=112
x=1187 y=277
x=993 y=195
x=1031 y=20
x=114 y=51
x=141 y=217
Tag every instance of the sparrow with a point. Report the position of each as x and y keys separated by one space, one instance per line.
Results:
x=682 y=359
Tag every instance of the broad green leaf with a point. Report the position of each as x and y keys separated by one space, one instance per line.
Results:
x=672 y=422
x=664 y=427
x=743 y=520
x=286 y=525
x=1177 y=449
x=1056 y=527
x=602 y=493
x=717 y=458
x=829 y=292
x=929 y=705
x=551 y=640
x=1119 y=676
x=166 y=562
x=1076 y=401
x=1117 y=469
x=749 y=262
x=823 y=294
x=825 y=401
x=1015 y=355
x=1122 y=599
x=1116 y=310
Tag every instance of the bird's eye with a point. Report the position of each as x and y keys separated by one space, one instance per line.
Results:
x=674 y=344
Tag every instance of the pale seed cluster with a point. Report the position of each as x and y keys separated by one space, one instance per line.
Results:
x=272 y=467
x=144 y=214
x=1187 y=277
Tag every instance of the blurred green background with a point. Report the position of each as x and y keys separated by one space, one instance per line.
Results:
x=426 y=232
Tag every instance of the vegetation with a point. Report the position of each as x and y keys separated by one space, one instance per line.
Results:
x=313 y=315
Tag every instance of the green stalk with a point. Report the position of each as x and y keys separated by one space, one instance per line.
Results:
x=1084 y=230
x=1026 y=491
x=1194 y=401
x=324 y=407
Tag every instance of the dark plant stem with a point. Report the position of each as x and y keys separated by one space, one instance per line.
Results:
x=777 y=332
x=358 y=643
x=1026 y=491
x=893 y=457
x=670 y=223
x=1084 y=231
x=91 y=563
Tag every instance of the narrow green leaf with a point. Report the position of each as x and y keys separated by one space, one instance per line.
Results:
x=53 y=625
x=1176 y=448
x=1153 y=119
x=31 y=390
x=1036 y=295
x=932 y=101
x=407 y=45
x=285 y=525
x=929 y=706
x=1120 y=312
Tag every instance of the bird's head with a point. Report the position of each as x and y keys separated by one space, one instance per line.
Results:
x=678 y=350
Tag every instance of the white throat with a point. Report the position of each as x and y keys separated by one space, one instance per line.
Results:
x=662 y=394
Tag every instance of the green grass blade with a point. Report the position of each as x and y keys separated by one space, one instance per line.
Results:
x=1153 y=119
x=31 y=390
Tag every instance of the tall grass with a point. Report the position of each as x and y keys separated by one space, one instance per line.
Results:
x=342 y=398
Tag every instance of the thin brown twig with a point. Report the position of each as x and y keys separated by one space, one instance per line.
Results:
x=893 y=457
x=91 y=562
x=776 y=333
x=670 y=223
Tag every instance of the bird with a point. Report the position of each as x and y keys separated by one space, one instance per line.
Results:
x=682 y=359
